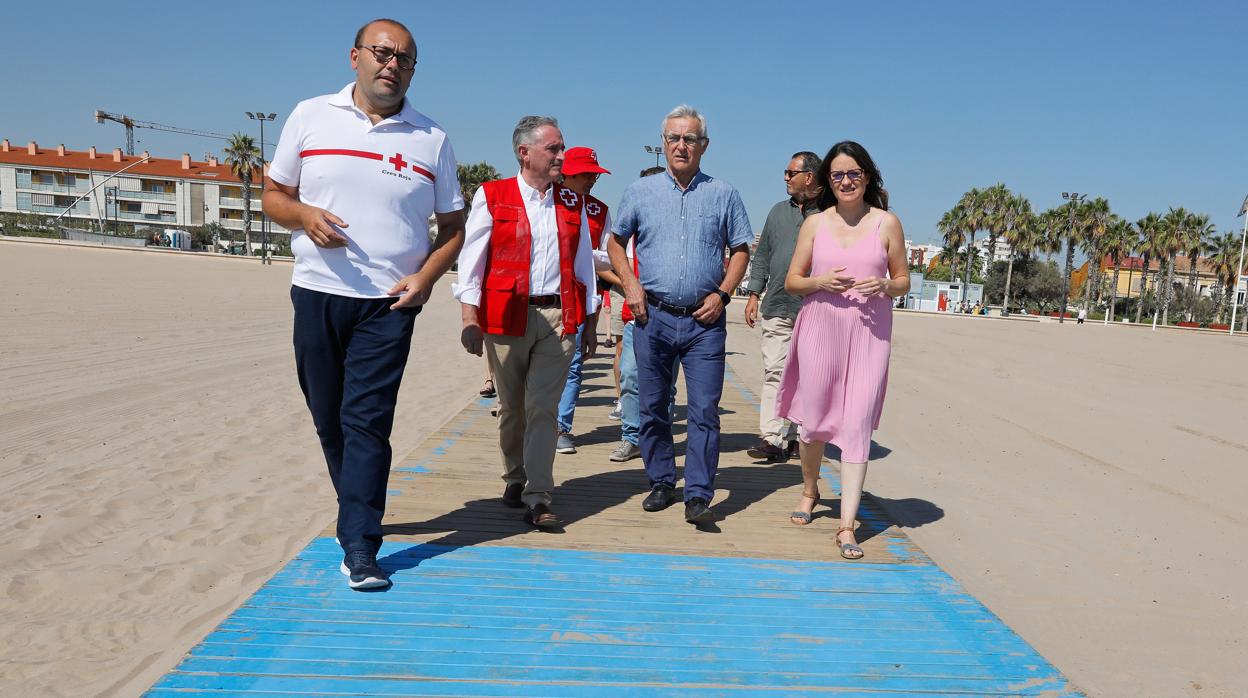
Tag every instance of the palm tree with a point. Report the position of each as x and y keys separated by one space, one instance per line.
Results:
x=1199 y=232
x=472 y=176
x=1091 y=222
x=1172 y=238
x=1224 y=256
x=952 y=227
x=1119 y=239
x=243 y=157
x=1147 y=245
x=1020 y=229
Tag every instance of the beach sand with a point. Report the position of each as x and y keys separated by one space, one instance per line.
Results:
x=157 y=464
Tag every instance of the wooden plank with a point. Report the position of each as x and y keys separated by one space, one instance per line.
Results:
x=622 y=603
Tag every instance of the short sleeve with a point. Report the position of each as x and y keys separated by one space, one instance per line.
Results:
x=626 y=214
x=739 y=230
x=285 y=166
x=447 y=197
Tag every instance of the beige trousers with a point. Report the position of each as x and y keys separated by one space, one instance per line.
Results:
x=529 y=374
x=777 y=331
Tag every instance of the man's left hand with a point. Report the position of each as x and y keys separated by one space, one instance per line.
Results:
x=712 y=307
x=415 y=292
x=589 y=337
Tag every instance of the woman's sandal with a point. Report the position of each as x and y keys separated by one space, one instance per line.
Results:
x=847 y=548
x=802 y=518
x=487 y=390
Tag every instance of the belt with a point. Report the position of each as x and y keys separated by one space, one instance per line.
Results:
x=545 y=301
x=668 y=307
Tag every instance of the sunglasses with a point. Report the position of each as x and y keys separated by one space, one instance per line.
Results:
x=838 y=175
x=790 y=174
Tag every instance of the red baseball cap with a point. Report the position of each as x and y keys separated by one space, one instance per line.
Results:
x=580 y=160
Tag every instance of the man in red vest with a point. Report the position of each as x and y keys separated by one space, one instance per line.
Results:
x=580 y=172
x=526 y=282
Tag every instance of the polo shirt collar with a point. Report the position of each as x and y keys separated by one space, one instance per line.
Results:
x=407 y=113
x=529 y=193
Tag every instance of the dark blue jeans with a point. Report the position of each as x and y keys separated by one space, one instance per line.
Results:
x=657 y=344
x=350 y=354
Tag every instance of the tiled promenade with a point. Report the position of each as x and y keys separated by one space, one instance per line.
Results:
x=622 y=603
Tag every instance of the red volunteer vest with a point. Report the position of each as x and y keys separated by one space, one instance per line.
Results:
x=505 y=289
x=596 y=214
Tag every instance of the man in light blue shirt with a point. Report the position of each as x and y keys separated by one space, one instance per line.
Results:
x=682 y=221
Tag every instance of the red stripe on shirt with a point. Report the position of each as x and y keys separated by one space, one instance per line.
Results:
x=424 y=172
x=338 y=151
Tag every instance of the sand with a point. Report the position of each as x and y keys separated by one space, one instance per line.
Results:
x=157 y=465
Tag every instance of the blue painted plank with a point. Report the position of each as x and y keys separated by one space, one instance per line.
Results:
x=726 y=649
x=241 y=673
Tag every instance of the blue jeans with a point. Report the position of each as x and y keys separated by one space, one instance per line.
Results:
x=350 y=354
x=662 y=340
x=630 y=408
x=571 y=389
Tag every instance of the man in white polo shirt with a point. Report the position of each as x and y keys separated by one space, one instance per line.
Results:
x=355 y=178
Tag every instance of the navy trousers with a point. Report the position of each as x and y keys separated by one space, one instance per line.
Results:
x=350 y=354
x=658 y=344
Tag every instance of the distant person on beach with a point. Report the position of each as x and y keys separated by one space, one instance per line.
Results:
x=526 y=286
x=580 y=173
x=849 y=264
x=356 y=176
x=777 y=438
x=681 y=222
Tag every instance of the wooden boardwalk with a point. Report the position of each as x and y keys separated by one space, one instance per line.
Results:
x=621 y=602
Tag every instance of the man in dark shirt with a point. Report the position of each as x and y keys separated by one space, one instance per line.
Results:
x=769 y=266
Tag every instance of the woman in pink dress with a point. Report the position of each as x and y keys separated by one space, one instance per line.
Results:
x=849 y=264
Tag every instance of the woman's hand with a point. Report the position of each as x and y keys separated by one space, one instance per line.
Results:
x=834 y=282
x=870 y=286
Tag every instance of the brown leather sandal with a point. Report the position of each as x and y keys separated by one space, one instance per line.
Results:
x=803 y=518
x=847 y=548
x=540 y=516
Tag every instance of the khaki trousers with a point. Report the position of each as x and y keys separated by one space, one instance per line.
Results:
x=777 y=331
x=529 y=374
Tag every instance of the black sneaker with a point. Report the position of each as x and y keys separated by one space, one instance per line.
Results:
x=362 y=571
x=660 y=498
x=697 y=510
x=511 y=495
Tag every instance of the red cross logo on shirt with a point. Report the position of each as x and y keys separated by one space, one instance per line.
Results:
x=592 y=208
x=398 y=162
x=568 y=196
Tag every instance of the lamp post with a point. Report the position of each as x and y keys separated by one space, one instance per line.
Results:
x=1239 y=271
x=264 y=220
x=1074 y=198
x=656 y=151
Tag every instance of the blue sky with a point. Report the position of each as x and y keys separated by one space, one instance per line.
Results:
x=1143 y=103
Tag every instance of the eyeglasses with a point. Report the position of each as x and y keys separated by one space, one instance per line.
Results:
x=790 y=174
x=837 y=175
x=688 y=139
x=384 y=54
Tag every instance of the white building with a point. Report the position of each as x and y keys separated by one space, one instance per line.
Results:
x=919 y=254
x=160 y=192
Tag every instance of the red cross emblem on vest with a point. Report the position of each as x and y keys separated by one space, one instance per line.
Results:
x=398 y=162
x=592 y=208
x=569 y=197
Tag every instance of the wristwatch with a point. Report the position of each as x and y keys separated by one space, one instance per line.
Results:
x=723 y=296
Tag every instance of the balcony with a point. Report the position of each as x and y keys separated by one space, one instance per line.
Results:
x=146 y=195
x=82 y=209
x=147 y=217
x=230 y=202
x=81 y=186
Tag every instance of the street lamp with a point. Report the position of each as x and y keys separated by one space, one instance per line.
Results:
x=264 y=221
x=656 y=151
x=1074 y=198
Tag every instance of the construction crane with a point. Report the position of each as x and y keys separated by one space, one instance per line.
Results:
x=131 y=124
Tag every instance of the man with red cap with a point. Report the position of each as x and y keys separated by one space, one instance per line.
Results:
x=580 y=172
x=526 y=285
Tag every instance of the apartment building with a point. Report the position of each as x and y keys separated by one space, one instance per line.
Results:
x=160 y=192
